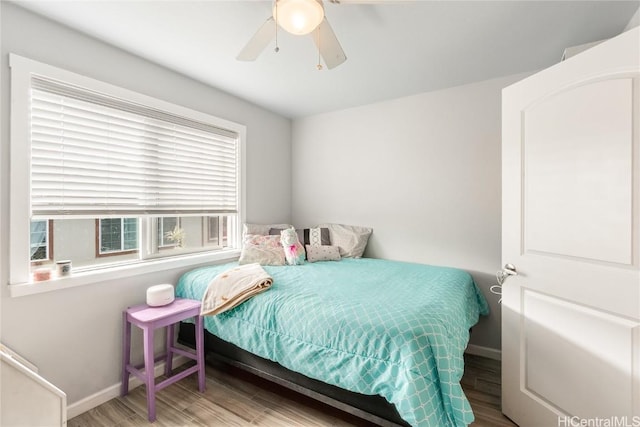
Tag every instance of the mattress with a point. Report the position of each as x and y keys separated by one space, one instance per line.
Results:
x=371 y=326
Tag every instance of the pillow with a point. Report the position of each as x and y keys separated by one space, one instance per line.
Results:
x=309 y=236
x=323 y=253
x=263 y=229
x=351 y=239
x=264 y=250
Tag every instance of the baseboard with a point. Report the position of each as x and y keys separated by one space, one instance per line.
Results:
x=113 y=391
x=478 y=350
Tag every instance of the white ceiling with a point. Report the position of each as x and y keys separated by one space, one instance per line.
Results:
x=394 y=48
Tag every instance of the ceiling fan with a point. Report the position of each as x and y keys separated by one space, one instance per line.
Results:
x=297 y=17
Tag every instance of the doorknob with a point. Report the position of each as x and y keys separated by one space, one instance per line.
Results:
x=501 y=276
x=509 y=270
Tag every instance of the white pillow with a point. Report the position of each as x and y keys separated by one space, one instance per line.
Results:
x=262 y=229
x=351 y=239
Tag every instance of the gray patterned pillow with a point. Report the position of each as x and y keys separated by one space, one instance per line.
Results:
x=309 y=236
x=322 y=253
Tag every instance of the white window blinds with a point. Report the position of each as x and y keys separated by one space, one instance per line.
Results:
x=94 y=155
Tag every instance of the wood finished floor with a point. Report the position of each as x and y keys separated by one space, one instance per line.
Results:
x=234 y=398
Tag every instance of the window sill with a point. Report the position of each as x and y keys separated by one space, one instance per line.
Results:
x=82 y=278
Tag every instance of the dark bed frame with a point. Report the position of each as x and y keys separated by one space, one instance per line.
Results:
x=374 y=409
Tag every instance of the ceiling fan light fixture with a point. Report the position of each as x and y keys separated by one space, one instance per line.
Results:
x=298 y=17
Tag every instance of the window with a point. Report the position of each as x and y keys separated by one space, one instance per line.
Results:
x=145 y=172
x=41 y=240
x=217 y=230
x=117 y=236
x=169 y=232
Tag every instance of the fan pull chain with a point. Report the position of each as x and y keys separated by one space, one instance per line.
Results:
x=319 y=66
x=277 y=49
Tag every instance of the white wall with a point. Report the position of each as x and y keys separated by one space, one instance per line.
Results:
x=74 y=335
x=634 y=21
x=423 y=171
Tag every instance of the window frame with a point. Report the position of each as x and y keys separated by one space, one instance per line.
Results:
x=100 y=253
x=49 y=245
x=22 y=69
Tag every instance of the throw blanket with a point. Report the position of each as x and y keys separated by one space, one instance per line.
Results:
x=234 y=286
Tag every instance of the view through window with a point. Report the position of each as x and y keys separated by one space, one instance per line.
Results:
x=116 y=176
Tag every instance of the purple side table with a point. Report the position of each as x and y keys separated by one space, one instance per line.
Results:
x=148 y=319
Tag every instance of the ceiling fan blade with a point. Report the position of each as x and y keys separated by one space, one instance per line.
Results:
x=258 y=42
x=328 y=45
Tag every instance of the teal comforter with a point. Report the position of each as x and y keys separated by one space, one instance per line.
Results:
x=371 y=326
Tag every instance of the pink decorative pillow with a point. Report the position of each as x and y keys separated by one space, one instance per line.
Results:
x=264 y=250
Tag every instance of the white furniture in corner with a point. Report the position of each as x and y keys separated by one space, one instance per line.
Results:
x=27 y=399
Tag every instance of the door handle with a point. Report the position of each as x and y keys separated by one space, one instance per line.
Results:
x=502 y=275
x=507 y=270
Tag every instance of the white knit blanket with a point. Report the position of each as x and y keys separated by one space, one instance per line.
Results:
x=234 y=286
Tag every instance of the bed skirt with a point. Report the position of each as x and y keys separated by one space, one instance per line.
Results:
x=374 y=409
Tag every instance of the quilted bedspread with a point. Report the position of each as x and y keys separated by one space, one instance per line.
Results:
x=371 y=326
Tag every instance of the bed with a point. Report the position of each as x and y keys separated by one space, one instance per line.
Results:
x=380 y=331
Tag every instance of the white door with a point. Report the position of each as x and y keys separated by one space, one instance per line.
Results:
x=571 y=227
